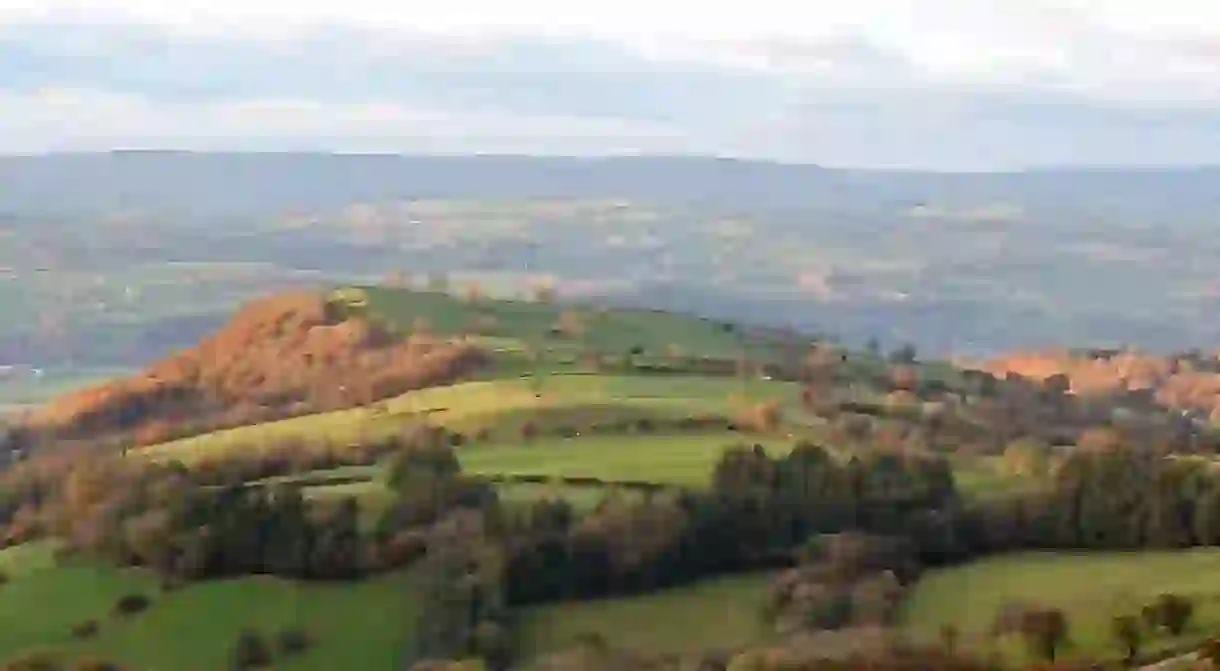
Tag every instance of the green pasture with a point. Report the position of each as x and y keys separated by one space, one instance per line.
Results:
x=1091 y=588
x=608 y=331
x=362 y=625
x=684 y=459
x=717 y=613
x=474 y=406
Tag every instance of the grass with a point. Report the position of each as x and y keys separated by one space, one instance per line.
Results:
x=686 y=460
x=471 y=406
x=20 y=560
x=711 y=614
x=609 y=331
x=363 y=625
x=983 y=478
x=1090 y=588
x=582 y=499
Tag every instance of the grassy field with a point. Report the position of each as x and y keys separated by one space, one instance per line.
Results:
x=362 y=625
x=983 y=477
x=498 y=405
x=686 y=460
x=611 y=331
x=581 y=499
x=21 y=560
x=712 y=614
x=1091 y=588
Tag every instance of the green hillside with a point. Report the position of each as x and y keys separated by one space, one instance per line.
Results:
x=365 y=625
x=625 y=416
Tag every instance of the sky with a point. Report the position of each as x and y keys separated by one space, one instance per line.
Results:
x=931 y=84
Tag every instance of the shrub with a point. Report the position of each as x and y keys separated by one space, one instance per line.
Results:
x=34 y=661
x=292 y=641
x=130 y=604
x=85 y=629
x=172 y=583
x=250 y=651
x=1210 y=651
x=404 y=548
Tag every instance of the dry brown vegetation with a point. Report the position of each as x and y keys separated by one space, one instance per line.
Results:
x=279 y=356
x=1188 y=382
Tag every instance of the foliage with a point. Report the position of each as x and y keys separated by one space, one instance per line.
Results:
x=250 y=651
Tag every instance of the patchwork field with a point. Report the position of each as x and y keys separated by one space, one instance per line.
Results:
x=545 y=420
x=712 y=614
x=686 y=460
x=500 y=407
x=364 y=625
x=1090 y=588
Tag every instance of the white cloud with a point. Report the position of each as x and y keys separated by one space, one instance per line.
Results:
x=895 y=82
x=83 y=120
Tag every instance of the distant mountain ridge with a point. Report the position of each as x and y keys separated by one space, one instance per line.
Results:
x=258 y=184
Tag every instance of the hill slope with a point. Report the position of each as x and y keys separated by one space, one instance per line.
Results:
x=278 y=356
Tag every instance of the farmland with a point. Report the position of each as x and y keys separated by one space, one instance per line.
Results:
x=191 y=629
x=1090 y=588
x=499 y=407
x=641 y=425
x=716 y=613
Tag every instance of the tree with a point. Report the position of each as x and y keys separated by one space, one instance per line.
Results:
x=570 y=325
x=1045 y=631
x=250 y=651
x=1171 y=611
x=474 y=291
x=1027 y=457
x=905 y=354
x=1210 y=651
x=949 y=637
x=438 y=282
x=633 y=353
x=1127 y=633
x=544 y=291
x=396 y=278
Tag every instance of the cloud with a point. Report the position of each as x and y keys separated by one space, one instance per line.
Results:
x=940 y=83
x=84 y=120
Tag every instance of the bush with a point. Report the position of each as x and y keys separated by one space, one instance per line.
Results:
x=85 y=629
x=33 y=661
x=130 y=604
x=172 y=583
x=292 y=641
x=250 y=651
x=404 y=548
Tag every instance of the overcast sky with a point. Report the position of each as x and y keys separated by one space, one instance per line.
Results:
x=945 y=84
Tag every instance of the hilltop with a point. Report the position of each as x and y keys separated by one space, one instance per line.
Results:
x=283 y=355
x=303 y=353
